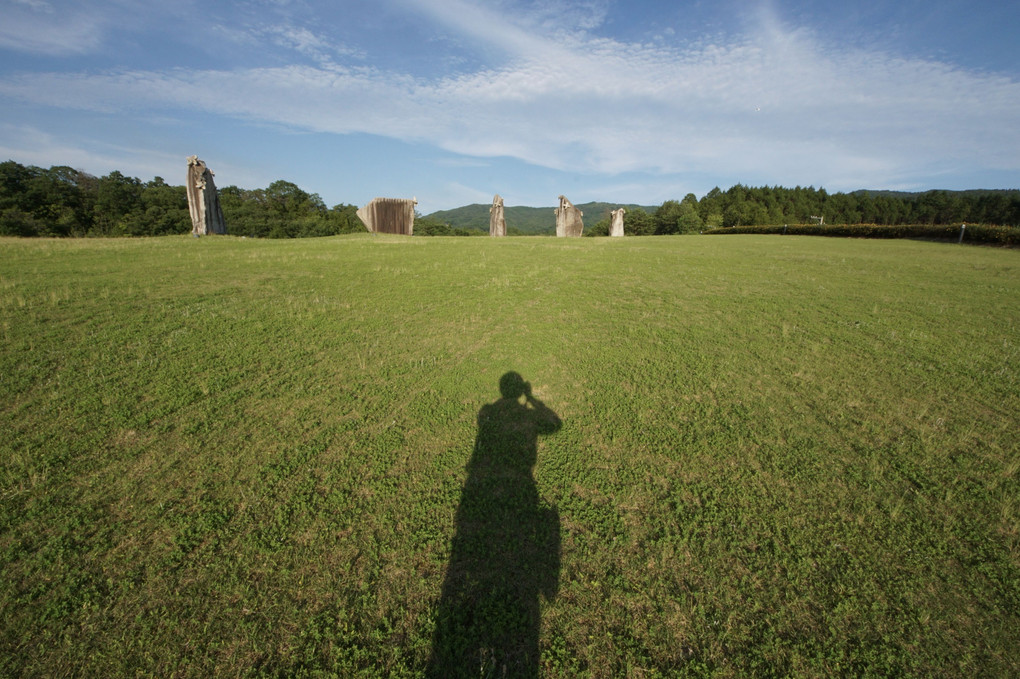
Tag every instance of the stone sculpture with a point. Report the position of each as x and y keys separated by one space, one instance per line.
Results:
x=568 y=219
x=203 y=200
x=389 y=215
x=616 y=227
x=497 y=223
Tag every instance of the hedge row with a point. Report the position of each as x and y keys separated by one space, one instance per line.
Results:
x=972 y=233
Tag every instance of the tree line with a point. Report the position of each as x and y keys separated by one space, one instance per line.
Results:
x=775 y=206
x=62 y=201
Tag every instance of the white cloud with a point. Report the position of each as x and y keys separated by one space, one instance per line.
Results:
x=775 y=105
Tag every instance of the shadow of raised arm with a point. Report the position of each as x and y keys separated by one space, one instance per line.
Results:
x=505 y=552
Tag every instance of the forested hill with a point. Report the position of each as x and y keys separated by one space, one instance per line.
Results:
x=525 y=220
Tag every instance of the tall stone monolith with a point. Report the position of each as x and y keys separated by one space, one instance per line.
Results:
x=203 y=200
x=389 y=215
x=568 y=219
x=497 y=222
x=616 y=226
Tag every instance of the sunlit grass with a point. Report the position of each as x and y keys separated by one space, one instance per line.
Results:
x=244 y=457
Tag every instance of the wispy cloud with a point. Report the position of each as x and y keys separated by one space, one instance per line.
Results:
x=33 y=146
x=773 y=104
x=455 y=193
x=37 y=5
x=308 y=43
x=36 y=147
x=570 y=15
x=462 y=161
x=35 y=26
x=481 y=25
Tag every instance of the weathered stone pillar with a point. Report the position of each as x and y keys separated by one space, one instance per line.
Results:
x=616 y=228
x=497 y=223
x=203 y=200
x=568 y=219
x=389 y=215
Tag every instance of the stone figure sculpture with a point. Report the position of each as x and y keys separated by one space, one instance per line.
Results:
x=616 y=227
x=497 y=223
x=389 y=215
x=568 y=219
x=203 y=200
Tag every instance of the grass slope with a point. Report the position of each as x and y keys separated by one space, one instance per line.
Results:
x=227 y=457
x=529 y=220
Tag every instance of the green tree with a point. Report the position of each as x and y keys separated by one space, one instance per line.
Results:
x=711 y=207
x=933 y=207
x=245 y=211
x=164 y=209
x=16 y=222
x=599 y=228
x=14 y=178
x=667 y=218
x=689 y=220
x=118 y=205
x=638 y=223
x=426 y=226
x=70 y=205
x=344 y=219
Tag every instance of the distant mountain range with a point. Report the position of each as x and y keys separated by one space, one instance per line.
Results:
x=527 y=220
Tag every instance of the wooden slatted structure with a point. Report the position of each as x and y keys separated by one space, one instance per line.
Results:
x=389 y=215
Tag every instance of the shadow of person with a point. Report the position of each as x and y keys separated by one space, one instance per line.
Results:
x=506 y=550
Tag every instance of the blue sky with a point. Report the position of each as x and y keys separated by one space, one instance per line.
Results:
x=451 y=101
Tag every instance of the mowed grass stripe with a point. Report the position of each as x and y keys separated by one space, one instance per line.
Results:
x=778 y=454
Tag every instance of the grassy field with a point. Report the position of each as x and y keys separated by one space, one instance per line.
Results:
x=753 y=456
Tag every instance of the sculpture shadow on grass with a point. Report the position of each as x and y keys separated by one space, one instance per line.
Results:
x=506 y=550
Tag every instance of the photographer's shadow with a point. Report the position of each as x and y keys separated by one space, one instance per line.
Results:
x=506 y=550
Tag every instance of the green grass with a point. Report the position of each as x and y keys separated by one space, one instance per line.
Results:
x=227 y=457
